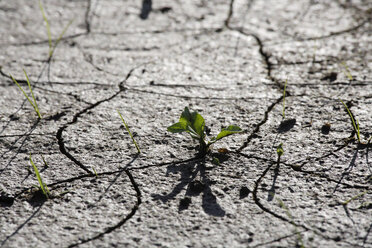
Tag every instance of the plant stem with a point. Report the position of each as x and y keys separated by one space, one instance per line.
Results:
x=126 y=127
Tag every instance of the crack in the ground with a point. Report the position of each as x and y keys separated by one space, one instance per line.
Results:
x=60 y=139
x=87 y=19
x=186 y=96
x=332 y=34
x=123 y=221
x=230 y=13
x=262 y=122
x=43 y=41
x=276 y=240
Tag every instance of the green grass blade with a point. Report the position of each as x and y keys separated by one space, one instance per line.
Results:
x=42 y=186
x=24 y=93
x=33 y=97
x=48 y=28
x=356 y=128
x=126 y=127
x=285 y=86
x=60 y=37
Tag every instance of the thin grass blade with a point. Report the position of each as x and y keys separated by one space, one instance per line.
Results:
x=60 y=37
x=126 y=127
x=36 y=107
x=43 y=187
x=48 y=28
x=24 y=93
x=356 y=128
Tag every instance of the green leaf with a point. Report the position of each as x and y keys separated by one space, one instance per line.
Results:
x=43 y=186
x=189 y=122
x=198 y=123
x=227 y=131
x=280 y=150
x=178 y=127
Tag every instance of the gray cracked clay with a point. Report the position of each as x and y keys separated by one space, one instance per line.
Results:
x=229 y=61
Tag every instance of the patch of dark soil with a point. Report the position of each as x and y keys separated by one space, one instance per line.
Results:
x=286 y=125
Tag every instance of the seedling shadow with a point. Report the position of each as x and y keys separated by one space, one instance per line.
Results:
x=25 y=136
x=286 y=125
x=271 y=192
x=194 y=187
x=23 y=224
x=117 y=177
x=348 y=169
x=146 y=9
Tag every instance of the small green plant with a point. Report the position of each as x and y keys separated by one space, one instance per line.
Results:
x=33 y=103
x=126 y=127
x=355 y=124
x=280 y=150
x=51 y=46
x=194 y=124
x=43 y=186
x=285 y=87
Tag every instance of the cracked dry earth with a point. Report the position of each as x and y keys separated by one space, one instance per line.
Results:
x=229 y=61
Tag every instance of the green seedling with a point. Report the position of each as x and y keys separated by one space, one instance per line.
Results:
x=194 y=124
x=285 y=86
x=51 y=46
x=126 y=127
x=347 y=71
x=33 y=103
x=355 y=124
x=280 y=150
x=43 y=186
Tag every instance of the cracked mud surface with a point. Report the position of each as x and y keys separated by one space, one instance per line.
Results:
x=229 y=61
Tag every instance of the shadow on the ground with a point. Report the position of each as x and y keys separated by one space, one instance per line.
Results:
x=194 y=178
x=35 y=201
